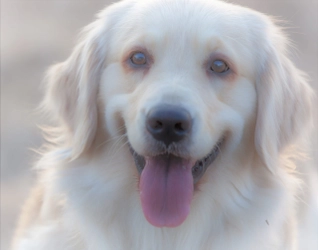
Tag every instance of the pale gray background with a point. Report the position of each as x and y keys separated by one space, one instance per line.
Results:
x=35 y=34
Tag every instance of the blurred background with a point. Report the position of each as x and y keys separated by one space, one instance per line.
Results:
x=36 y=34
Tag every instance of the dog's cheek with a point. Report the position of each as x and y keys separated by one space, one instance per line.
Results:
x=241 y=97
x=113 y=82
x=134 y=118
x=231 y=112
x=114 y=96
x=113 y=115
x=241 y=102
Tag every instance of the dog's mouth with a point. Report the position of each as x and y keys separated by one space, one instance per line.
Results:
x=167 y=183
x=198 y=168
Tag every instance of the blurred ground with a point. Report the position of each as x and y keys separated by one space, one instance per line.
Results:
x=35 y=34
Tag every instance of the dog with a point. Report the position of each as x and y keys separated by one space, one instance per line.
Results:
x=179 y=124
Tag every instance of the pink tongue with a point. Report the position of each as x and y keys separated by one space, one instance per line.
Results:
x=166 y=187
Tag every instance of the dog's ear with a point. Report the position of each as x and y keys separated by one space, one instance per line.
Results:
x=72 y=88
x=284 y=99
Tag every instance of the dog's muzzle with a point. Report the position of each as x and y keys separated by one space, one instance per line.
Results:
x=167 y=178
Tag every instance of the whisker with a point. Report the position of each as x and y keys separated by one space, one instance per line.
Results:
x=120 y=131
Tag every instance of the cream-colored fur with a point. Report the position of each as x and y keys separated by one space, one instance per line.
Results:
x=258 y=194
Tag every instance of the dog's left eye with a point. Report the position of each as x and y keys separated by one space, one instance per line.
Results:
x=138 y=58
x=219 y=66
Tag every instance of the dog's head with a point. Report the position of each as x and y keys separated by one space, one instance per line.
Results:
x=186 y=82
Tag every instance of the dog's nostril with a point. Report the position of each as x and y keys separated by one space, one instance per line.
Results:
x=168 y=123
x=178 y=126
x=158 y=125
x=154 y=125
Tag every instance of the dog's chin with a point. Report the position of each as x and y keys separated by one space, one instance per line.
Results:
x=167 y=182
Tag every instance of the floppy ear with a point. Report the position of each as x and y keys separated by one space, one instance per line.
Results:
x=284 y=100
x=71 y=92
x=72 y=86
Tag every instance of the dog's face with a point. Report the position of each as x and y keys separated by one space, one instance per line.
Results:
x=188 y=83
x=185 y=91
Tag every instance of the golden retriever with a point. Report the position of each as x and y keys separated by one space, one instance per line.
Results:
x=180 y=125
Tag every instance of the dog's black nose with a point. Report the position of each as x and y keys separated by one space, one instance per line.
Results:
x=169 y=123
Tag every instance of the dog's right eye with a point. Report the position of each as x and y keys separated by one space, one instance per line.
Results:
x=219 y=66
x=138 y=58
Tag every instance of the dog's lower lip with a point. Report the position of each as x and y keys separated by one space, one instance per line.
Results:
x=199 y=167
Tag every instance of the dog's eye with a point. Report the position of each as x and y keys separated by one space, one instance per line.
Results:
x=138 y=58
x=219 y=66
